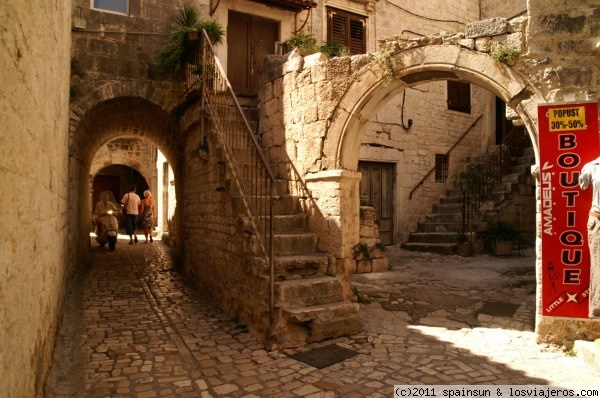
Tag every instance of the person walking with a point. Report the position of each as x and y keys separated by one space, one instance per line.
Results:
x=131 y=202
x=590 y=177
x=147 y=212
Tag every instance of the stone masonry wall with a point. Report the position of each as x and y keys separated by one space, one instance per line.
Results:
x=218 y=248
x=369 y=253
x=35 y=258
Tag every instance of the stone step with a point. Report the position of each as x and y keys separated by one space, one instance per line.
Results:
x=308 y=292
x=321 y=311
x=289 y=223
x=324 y=321
x=294 y=244
x=447 y=208
x=303 y=265
x=443 y=218
x=438 y=227
x=433 y=237
x=441 y=248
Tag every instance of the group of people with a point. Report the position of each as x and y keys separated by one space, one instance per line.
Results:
x=134 y=209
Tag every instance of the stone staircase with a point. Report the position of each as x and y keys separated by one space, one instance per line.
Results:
x=310 y=304
x=438 y=232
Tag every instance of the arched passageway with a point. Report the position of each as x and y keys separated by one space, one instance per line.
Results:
x=125 y=118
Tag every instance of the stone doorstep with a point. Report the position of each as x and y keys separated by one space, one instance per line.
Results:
x=307 y=292
x=589 y=351
x=322 y=313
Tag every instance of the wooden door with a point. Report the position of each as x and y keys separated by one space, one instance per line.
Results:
x=249 y=40
x=376 y=187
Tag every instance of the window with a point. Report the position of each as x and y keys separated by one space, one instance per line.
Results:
x=116 y=6
x=441 y=167
x=459 y=96
x=348 y=29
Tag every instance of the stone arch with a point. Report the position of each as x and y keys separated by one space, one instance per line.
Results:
x=372 y=87
x=116 y=110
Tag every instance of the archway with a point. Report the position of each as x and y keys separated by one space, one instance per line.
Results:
x=377 y=83
x=114 y=117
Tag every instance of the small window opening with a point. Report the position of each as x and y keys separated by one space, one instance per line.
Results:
x=441 y=167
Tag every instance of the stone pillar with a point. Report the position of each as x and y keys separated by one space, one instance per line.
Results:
x=335 y=216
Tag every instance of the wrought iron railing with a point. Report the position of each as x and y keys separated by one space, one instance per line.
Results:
x=420 y=183
x=249 y=168
x=479 y=178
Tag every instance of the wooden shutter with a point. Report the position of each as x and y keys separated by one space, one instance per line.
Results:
x=348 y=29
x=459 y=96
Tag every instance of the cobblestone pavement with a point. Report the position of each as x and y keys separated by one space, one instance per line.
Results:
x=134 y=328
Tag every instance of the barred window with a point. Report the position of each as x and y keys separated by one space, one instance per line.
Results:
x=441 y=167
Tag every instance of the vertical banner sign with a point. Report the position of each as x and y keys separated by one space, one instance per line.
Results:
x=568 y=137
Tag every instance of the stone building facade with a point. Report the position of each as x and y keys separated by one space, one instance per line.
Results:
x=35 y=257
x=114 y=93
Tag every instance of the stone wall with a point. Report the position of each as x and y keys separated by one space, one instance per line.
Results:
x=218 y=248
x=35 y=260
x=369 y=253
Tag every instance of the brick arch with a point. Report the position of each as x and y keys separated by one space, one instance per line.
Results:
x=372 y=87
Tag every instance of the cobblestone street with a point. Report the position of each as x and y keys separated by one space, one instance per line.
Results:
x=134 y=328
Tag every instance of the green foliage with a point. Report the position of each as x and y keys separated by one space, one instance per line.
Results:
x=178 y=49
x=365 y=202
x=361 y=252
x=333 y=49
x=505 y=54
x=380 y=246
x=501 y=231
x=306 y=44
x=361 y=298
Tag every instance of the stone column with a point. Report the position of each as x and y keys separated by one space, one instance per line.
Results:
x=335 y=216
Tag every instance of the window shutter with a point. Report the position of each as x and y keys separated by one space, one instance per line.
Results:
x=459 y=96
x=347 y=29
x=357 y=44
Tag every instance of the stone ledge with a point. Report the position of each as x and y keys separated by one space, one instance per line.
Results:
x=589 y=351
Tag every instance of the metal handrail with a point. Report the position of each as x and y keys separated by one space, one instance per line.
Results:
x=251 y=172
x=420 y=183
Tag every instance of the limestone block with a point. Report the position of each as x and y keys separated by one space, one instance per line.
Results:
x=483 y=44
x=467 y=43
x=518 y=24
x=489 y=27
x=379 y=264
x=313 y=59
x=363 y=266
x=293 y=62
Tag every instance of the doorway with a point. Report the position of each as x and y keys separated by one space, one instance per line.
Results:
x=377 y=188
x=249 y=40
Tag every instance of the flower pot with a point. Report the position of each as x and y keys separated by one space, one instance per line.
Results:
x=464 y=249
x=192 y=35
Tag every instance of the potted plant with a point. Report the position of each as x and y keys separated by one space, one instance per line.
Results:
x=464 y=246
x=500 y=237
x=183 y=40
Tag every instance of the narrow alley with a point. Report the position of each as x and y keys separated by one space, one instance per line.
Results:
x=134 y=328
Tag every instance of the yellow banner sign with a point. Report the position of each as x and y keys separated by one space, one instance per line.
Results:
x=565 y=119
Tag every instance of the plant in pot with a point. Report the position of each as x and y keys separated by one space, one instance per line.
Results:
x=500 y=237
x=183 y=40
x=464 y=246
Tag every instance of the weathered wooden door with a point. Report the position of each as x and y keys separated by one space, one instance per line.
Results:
x=376 y=187
x=249 y=40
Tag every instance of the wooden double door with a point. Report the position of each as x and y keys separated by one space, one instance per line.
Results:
x=249 y=40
